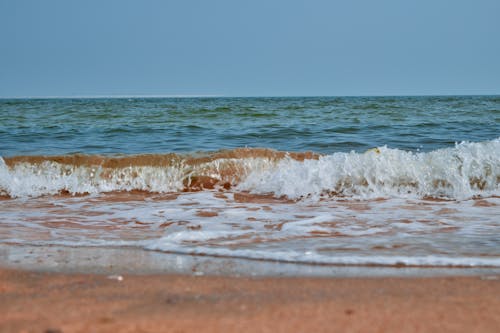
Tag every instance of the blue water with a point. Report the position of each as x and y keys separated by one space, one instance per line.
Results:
x=319 y=124
x=418 y=199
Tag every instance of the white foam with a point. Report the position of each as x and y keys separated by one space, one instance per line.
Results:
x=467 y=170
x=309 y=257
x=30 y=180
x=464 y=171
x=387 y=232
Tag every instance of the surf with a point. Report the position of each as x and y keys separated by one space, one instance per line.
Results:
x=467 y=170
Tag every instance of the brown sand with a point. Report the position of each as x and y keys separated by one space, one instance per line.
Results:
x=58 y=302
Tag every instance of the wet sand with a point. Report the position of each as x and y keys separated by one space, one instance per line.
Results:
x=36 y=301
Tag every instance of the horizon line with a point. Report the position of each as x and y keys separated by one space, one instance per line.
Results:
x=227 y=96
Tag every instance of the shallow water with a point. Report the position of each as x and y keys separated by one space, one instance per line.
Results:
x=332 y=231
x=267 y=210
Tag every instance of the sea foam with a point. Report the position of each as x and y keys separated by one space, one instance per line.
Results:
x=465 y=171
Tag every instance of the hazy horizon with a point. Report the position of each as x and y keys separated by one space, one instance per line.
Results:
x=235 y=96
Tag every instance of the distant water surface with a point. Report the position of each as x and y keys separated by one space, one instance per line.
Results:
x=319 y=124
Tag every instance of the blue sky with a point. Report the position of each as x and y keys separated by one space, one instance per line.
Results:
x=249 y=48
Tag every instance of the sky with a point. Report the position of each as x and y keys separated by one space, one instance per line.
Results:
x=249 y=48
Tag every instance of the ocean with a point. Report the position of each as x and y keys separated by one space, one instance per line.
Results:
x=379 y=181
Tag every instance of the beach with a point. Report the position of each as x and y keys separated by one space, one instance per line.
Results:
x=258 y=166
x=61 y=302
x=57 y=289
x=320 y=214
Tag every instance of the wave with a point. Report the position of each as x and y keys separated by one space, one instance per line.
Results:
x=31 y=176
x=464 y=171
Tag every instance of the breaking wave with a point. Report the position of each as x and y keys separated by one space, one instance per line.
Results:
x=465 y=171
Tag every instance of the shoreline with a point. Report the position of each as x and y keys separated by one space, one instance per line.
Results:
x=136 y=261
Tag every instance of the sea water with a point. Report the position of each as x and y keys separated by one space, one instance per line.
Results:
x=320 y=180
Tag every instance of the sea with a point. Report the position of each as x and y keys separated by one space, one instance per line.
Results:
x=352 y=181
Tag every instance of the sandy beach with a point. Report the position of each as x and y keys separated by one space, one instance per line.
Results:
x=355 y=214
x=249 y=166
x=32 y=301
